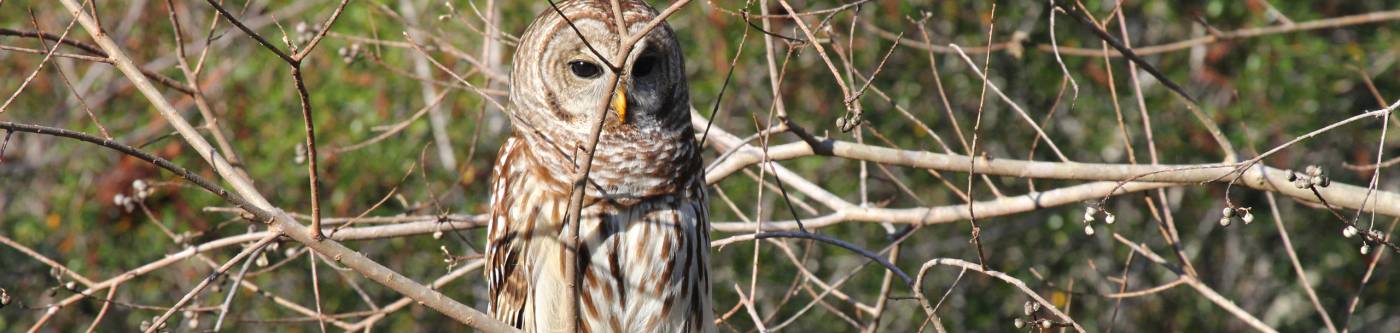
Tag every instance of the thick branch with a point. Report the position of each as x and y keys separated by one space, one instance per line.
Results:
x=1261 y=178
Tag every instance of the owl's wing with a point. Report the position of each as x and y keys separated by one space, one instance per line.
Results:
x=507 y=276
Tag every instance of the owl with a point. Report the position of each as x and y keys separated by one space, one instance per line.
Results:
x=644 y=233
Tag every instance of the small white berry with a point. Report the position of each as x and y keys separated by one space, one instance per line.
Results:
x=1225 y=221
x=437 y=234
x=1028 y=310
x=1227 y=212
x=1045 y=324
x=1365 y=248
x=1248 y=217
x=1301 y=183
x=1349 y=231
x=262 y=260
x=1110 y=218
x=193 y=321
x=1089 y=213
x=1020 y=323
x=1089 y=230
x=299 y=155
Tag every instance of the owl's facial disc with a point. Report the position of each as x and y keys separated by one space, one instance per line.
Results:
x=580 y=80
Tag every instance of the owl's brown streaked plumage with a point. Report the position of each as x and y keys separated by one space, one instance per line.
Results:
x=644 y=229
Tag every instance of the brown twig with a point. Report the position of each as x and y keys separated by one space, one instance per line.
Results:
x=316 y=291
x=1298 y=266
x=309 y=125
x=103 y=312
x=47 y=56
x=976 y=237
x=211 y=122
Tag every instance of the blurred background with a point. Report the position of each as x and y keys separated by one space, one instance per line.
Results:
x=1261 y=90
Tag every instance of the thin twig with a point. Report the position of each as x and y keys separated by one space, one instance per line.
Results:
x=232 y=290
x=48 y=56
x=1200 y=287
x=103 y=312
x=842 y=244
x=1365 y=279
x=1024 y=115
x=1297 y=266
x=316 y=290
x=159 y=322
x=1001 y=276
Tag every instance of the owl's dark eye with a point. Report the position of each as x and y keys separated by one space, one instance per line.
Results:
x=644 y=65
x=585 y=69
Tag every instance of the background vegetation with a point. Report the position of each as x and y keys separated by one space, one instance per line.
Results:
x=56 y=195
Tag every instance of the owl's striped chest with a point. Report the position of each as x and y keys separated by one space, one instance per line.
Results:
x=646 y=267
x=643 y=265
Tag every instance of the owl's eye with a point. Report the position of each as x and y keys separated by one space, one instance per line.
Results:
x=644 y=66
x=585 y=69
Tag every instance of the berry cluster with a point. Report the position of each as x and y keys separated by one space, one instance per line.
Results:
x=1229 y=213
x=1034 y=319
x=1312 y=176
x=1090 y=214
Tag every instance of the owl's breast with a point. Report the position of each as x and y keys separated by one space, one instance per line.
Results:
x=629 y=170
x=646 y=267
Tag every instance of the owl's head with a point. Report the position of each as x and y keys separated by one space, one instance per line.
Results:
x=558 y=82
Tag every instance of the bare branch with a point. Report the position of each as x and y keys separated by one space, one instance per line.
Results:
x=241 y=185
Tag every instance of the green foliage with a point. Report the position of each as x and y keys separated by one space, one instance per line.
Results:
x=56 y=195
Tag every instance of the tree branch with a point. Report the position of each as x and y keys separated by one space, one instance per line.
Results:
x=350 y=258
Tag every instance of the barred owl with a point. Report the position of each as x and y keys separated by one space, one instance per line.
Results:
x=644 y=231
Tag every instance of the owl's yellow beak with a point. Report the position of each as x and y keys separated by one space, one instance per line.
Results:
x=619 y=103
